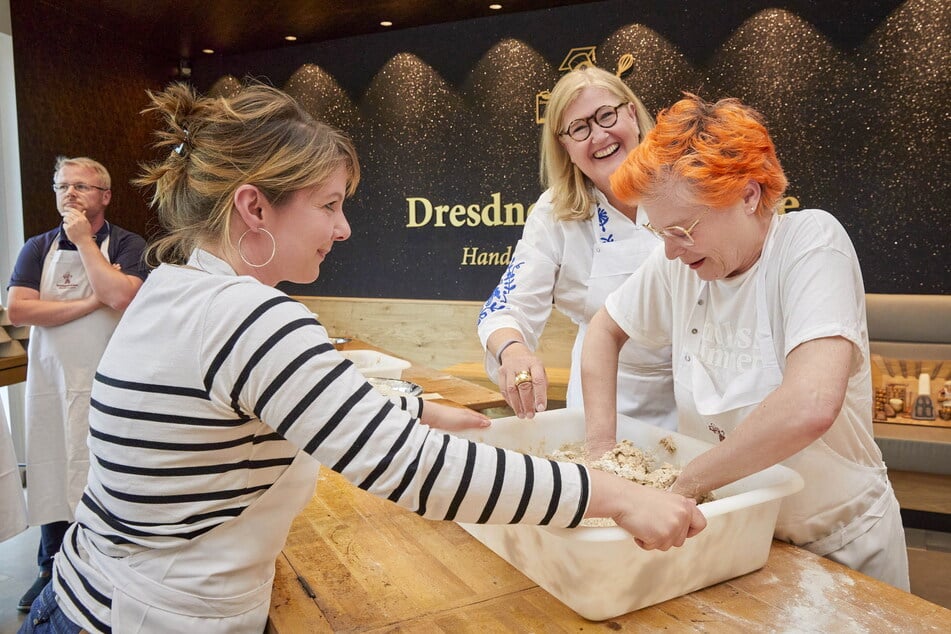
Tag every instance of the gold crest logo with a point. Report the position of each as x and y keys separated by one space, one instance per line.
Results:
x=579 y=57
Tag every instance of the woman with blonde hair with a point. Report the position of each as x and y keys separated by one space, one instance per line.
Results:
x=219 y=396
x=579 y=244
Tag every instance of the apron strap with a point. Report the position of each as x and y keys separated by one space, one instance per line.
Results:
x=764 y=330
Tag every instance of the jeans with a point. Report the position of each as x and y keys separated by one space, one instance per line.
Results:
x=45 y=617
x=51 y=539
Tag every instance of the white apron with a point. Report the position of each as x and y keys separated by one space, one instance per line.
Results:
x=645 y=382
x=12 y=506
x=842 y=501
x=62 y=363
x=196 y=588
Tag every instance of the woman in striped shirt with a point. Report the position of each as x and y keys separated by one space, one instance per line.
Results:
x=219 y=396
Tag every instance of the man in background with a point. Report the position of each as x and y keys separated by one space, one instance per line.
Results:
x=71 y=285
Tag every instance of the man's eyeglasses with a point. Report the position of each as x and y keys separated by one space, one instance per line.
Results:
x=82 y=188
x=605 y=117
x=678 y=234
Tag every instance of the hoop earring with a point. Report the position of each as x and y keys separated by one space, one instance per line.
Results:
x=266 y=262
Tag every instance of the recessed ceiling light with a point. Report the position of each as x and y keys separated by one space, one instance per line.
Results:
x=386 y=23
x=495 y=7
x=207 y=51
x=290 y=38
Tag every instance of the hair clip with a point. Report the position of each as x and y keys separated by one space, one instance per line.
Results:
x=180 y=148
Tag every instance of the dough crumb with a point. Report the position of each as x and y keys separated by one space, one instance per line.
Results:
x=627 y=461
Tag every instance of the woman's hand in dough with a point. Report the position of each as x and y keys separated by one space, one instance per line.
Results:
x=656 y=519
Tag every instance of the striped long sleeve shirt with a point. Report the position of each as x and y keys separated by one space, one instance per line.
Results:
x=209 y=388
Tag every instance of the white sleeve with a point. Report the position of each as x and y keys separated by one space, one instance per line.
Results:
x=820 y=289
x=278 y=366
x=525 y=294
x=642 y=305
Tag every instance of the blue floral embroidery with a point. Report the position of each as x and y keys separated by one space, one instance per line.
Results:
x=499 y=297
x=603 y=223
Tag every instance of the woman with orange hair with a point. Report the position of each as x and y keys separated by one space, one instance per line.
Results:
x=766 y=317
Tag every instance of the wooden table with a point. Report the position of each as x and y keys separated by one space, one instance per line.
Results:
x=371 y=566
x=356 y=563
x=451 y=388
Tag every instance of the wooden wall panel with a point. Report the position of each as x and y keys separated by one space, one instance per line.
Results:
x=431 y=332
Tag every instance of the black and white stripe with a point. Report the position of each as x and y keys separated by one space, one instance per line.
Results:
x=197 y=413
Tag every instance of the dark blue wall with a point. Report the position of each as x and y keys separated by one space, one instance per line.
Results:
x=855 y=92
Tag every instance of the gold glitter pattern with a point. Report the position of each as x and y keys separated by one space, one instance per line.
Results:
x=858 y=106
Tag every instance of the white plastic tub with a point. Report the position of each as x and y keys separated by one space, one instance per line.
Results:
x=599 y=572
x=376 y=364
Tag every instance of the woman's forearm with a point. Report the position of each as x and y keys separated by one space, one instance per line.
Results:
x=599 y=365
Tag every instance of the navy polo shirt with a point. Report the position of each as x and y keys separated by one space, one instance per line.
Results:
x=125 y=248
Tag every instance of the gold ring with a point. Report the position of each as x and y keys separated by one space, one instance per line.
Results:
x=523 y=377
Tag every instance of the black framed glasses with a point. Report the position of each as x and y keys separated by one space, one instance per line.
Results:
x=82 y=188
x=678 y=234
x=605 y=117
